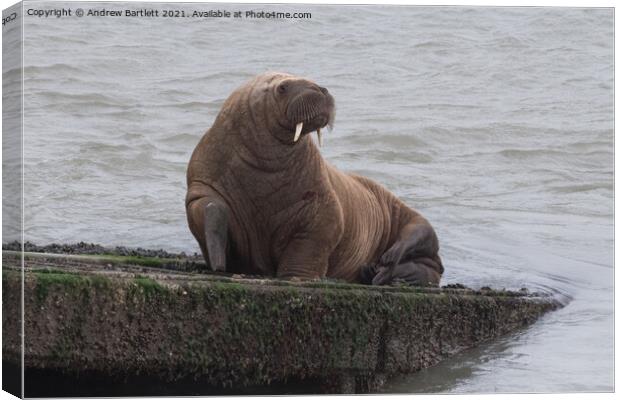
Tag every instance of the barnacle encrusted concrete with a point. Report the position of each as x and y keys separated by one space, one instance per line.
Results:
x=123 y=323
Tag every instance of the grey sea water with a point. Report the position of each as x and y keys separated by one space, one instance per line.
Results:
x=495 y=123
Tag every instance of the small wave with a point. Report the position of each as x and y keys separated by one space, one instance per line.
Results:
x=562 y=296
x=579 y=80
x=232 y=76
x=129 y=114
x=182 y=138
x=98 y=147
x=586 y=187
x=52 y=69
x=199 y=105
x=12 y=73
x=441 y=107
x=125 y=46
x=396 y=157
x=521 y=154
x=92 y=99
x=173 y=92
x=71 y=40
x=397 y=141
x=592 y=147
x=431 y=44
x=508 y=43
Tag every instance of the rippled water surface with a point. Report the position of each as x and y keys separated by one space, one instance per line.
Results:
x=495 y=123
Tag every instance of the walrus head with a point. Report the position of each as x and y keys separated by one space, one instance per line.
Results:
x=309 y=107
x=291 y=107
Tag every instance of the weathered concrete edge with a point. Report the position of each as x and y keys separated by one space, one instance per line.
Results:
x=225 y=332
x=168 y=268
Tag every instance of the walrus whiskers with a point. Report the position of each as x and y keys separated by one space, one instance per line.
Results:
x=305 y=109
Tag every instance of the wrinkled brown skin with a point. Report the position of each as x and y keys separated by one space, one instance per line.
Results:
x=259 y=203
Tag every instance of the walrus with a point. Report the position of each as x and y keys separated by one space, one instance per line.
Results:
x=261 y=199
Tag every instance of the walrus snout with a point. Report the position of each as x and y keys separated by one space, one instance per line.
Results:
x=310 y=107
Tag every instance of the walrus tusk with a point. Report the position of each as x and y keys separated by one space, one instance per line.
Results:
x=298 y=131
x=318 y=133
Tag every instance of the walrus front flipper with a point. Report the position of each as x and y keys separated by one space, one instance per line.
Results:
x=303 y=259
x=216 y=234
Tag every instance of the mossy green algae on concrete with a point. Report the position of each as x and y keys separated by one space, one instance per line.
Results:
x=47 y=279
x=149 y=287
x=227 y=332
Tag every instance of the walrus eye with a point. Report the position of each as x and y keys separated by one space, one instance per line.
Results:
x=282 y=88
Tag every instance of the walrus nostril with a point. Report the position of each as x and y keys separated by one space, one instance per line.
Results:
x=322 y=89
x=282 y=87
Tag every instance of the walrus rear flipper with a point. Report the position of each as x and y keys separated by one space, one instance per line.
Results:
x=412 y=259
x=413 y=273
